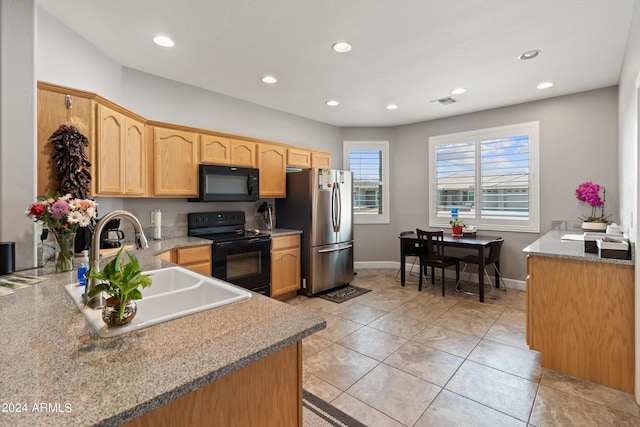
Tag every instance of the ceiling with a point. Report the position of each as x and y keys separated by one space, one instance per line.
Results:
x=407 y=53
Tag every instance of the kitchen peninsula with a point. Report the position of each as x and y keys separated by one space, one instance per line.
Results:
x=245 y=358
x=580 y=311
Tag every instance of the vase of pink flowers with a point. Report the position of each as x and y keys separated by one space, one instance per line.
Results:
x=63 y=215
x=588 y=193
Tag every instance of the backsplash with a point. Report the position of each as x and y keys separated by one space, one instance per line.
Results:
x=174 y=213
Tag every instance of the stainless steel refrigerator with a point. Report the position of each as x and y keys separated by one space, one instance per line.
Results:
x=320 y=203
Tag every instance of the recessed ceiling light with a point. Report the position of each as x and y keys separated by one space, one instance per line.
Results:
x=268 y=80
x=544 y=85
x=163 y=41
x=333 y=103
x=342 y=47
x=391 y=107
x=530 y=54
x=458 y=91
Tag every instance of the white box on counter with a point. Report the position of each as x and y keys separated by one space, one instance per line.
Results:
x=613 y=248
x=590 y=239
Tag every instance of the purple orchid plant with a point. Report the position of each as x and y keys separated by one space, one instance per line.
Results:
x=589 y=193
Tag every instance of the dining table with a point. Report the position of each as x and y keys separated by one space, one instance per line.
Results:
x=479 y=244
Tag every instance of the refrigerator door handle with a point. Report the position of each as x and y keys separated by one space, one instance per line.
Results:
x=339 y=199
x=334 y=207
x=341 y=248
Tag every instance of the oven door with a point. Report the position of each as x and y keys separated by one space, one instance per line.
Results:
x=246 y=263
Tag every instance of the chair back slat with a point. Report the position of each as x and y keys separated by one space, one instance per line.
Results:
x=431 y=244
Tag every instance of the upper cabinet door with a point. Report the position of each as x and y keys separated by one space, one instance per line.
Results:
x=320 y=160
x=298 y=157
x=52 y=112
x=175 y=155
x=135 y=157
x=272 y=162
x=121 y=156
x=110 y=161
x=243 y=153
x=214 y=149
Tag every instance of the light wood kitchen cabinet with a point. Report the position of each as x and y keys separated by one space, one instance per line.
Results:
x=297 y=157
x=266 y=392
x=133 y=156
x=272 y=162
x=168 y=256
x=53 y=111
x=121 y=160
x=175 y=155
x=135 y=153
x=215 y=149
x=285 y=265
x=320 y=159
x=227 y=151
x=580 y=317
x=243 y=153
x=196 y=258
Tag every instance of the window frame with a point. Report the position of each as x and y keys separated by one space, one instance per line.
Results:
x=383 y=146
x=530 y=225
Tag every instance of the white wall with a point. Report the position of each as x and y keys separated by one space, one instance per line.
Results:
x=628 y=116
x=64 y=58
x=17 y=127
x=578 y=142
x=165 y=100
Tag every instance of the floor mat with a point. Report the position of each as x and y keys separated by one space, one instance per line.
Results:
x=343 y=293
x=318 y=413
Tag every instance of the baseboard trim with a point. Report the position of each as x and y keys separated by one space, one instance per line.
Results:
x=511 y=283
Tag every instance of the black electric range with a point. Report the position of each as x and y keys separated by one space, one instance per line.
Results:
x=239 y=256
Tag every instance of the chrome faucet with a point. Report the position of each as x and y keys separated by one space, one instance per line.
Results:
x=94 y=252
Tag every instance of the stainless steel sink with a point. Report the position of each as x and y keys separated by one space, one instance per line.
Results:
x=175 y=292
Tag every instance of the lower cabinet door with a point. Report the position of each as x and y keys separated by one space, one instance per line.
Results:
x=285 y=271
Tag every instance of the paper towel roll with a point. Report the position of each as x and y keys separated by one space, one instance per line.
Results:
x=156 y=224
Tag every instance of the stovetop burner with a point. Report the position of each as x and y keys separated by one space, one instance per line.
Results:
x=246 y=235
x=221 y=226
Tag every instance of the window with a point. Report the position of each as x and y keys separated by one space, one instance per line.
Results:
x=489 y=175
x=369 y=163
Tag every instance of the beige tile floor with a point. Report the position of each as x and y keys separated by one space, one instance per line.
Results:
x=399 y=357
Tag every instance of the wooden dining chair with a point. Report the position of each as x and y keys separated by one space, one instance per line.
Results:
x=431 y=244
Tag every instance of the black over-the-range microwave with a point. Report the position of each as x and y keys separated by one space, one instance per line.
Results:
x=227 y=184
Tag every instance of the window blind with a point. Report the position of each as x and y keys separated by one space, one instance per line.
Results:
x=366 y=166
x=505 y=177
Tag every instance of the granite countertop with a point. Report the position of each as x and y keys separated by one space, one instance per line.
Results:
x=279 y=232
x=552 y=245
x=55 y=370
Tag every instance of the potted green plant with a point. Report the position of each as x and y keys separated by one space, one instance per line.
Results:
x=122 y=282
x=457 y=225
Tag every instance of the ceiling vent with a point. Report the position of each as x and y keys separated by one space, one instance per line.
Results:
x=444 y=101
